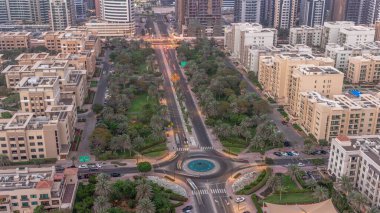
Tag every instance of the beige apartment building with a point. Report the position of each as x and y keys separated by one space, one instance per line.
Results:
x=23 y=189
x=363 y=69
x=37 y=93
x=52 y=40
x=275 y=72
x=85 y=60
x=325 y=80
x=72 y=42
x=25 y=137
x=31 y=58
x=14 y=73
x=14 y=40
x=342 y=115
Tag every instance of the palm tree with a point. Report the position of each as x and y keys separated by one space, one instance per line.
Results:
x=144 y=190
x=101 y=204
x=293 y=170
x=103 y=186
x=374 y=209
x=282 y=189
x=346 y=184
x=320 y=193
x=127 y=143
x=4 y=160
x=357 y=199
x=145 y=206
x=311 y=183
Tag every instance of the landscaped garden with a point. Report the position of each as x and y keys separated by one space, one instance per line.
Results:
x=237 y=116
x=137 y=195
x=132 y=121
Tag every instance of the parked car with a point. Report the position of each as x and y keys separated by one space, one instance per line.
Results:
x=114 y=174
x=277 y=154
x=83 y=166
x=59 y=168
x=240 y=199
x=323 y=152
x=99 y=165
x=289 y=153
x=295 y=153
x=284 y=153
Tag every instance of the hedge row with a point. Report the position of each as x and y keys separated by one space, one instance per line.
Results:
x=259 y=182
x=257 y=204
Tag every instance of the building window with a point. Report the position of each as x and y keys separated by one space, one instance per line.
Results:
x=40 y=143
x=14 y=204
x=31 y=137
x=41 y=150
x=39 y=137
x=42 y=156
x=33 y=150
x=33 y=196
x=2 y=138
x=34 y=203
x=14 y=197
x=32 y=144
x=24 y=197
x=25 y=204
x=44 y=196
x=3 y=145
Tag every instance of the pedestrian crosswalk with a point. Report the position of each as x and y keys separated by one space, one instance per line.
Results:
x=186 y=149
x=209 y=191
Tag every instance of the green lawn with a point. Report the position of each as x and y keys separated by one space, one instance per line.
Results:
x=137 y=103
x=288 y=182
x=291 y=198
x=155 y=154
x=235 y=150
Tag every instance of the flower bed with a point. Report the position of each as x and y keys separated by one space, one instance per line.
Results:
x=259 y=182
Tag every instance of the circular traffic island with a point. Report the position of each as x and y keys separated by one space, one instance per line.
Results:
x=201 y=166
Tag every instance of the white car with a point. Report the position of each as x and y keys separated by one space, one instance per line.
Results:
x=301 y=164
x=99 y=165
x=83 y=166
x=240 y=199
x=295 y=153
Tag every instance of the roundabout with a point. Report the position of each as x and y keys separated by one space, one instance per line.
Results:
x=201 y=166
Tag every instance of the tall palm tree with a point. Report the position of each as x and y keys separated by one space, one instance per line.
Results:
x=145 y=206
x=127 y=143
x=345 y=184
x=311 y=183
x=103 y=186
x=358 y=200
x=101 y=204
x=144 y=190
x=320 y=193
x=4 y=160
x=293 y=170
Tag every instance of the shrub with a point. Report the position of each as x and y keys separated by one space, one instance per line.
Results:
x=177 y=197
x=144 y=167
x=97 y=108
x=259 y=182
x=6 y=115
x=269 y=161
x=257 y=204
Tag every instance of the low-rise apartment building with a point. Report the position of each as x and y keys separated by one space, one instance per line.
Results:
x=241 y=35
x=363 y=69
x=25 y=137
x=31 y=58
x=14 y=40
x=14 y=73
x=37 y=93
x=85 y=60
x=52 y=40
x=325 y=80
x=331 y=31
x=358 y=158
x=255 y=52
x=275 y=72
x=342 y=114
x=310 y=36
x=23 y=189
x=356 y=35
x=341 y=54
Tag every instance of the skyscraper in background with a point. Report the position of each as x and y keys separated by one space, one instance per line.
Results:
x=199 y=17
x=312 y=12
x=26 y=11
x=247 y=11
x=285 y=13
x=267 y=13
x=62 y=14
x=116 y=11
x=80 y=9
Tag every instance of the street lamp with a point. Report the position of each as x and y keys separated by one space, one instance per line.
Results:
x=174 y=172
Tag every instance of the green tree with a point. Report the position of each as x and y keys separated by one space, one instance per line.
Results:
x=145 y=206
x=97 y=108
x=144 y=167
x=358 y=200
x=100 y=138
x=320 y=193
x=6 y=115
x=144 y=190
x=103 y=186
x=4 y=160
x=101 y=204
x=345 y=184
x=374 y=209
x=39 y=209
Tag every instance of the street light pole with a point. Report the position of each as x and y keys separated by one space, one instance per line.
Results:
x=174 y=173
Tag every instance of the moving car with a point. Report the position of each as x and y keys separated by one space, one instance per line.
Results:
x=83 y=166
x=277 y=154
x=301 y=164
x=240 y=199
